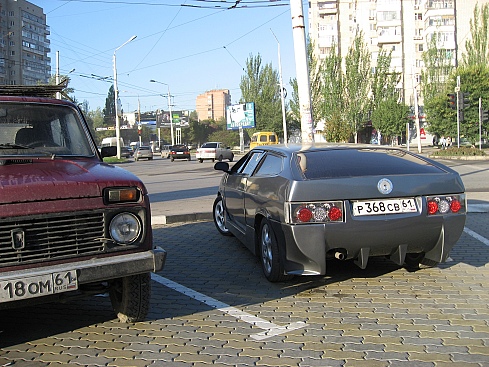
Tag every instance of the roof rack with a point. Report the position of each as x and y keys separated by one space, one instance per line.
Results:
x=41 y=90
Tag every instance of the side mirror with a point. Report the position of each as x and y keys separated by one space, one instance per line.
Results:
x=222 y=166
x=108 y=152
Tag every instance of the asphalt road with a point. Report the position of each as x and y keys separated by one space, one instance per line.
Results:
x=211 y=305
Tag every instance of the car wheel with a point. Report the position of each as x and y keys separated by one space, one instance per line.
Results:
x=189 y=159
x=232 y=157
x=213 y=160
x=201 y=160
x=269 y=254
x=220 y=158
x=219 y=216
x=417 y=261
x=130 y=297
x=172 y=159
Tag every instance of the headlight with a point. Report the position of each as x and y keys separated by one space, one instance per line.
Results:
x=125 y=228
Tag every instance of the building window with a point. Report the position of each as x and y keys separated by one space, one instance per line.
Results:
x=11 y=13
x=12 y=53
x=418 y=16
x=420 y=47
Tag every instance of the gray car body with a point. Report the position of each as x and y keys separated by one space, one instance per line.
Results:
x=250 y=198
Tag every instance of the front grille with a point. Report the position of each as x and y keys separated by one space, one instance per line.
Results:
x=51 y=237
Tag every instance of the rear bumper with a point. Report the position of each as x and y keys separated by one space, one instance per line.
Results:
x=306 y=247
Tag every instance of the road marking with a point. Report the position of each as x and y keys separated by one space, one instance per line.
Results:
x=477 y=236
x=270 y=328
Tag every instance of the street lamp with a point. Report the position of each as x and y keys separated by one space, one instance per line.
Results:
x=169 y=108
x=282 y=92
x=116 y=98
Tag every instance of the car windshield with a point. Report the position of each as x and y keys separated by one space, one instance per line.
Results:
x=30 y=129
x=209 y=145
x=360 y=162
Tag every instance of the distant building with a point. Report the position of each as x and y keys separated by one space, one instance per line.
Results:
x=212 y=104
x=24 y=44
x=403 y=26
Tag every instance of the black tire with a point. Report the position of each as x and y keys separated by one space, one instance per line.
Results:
x=172 y=159
x=232 y=157
x=201 y=160
x=220 y=158
x=130 y=297
x=213 y=160
x=219 y=216
x=415 y=261
x=269 y=254
x=189 y=159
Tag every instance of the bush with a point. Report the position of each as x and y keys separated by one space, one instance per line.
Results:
x=462 y=151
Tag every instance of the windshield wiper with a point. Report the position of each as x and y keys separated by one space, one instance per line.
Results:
x=14 y=146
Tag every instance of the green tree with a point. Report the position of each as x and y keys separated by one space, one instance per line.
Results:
x=357 y=83
x=434 y=87
x=333 y=99
x=260 y=85
x=477 y=52
x=389 y=117
x=109 y=110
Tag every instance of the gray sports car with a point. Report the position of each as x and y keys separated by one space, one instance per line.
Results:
x=295 y=207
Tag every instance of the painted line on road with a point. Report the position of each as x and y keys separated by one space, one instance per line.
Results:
x=270 y=328
x=477 y=236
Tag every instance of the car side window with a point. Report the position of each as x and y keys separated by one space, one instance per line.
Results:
x=272 y=165
x=251 y=164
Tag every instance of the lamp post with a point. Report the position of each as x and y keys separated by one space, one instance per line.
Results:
x=169 y=108
x=116 y=98
x=282 y=92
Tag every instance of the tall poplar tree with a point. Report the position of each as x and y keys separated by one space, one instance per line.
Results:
x=260 y=85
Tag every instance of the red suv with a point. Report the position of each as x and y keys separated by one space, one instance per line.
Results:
x=70 y=224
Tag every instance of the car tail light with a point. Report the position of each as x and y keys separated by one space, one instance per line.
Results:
x=445 y=204
x=319 y=212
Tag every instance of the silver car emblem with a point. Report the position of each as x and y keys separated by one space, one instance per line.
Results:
x=18 y=238
x=385 y=186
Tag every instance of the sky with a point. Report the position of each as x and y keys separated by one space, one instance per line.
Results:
x=191 y=45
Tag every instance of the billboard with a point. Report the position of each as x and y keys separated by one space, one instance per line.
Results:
x=240 y=115
x=179 y=119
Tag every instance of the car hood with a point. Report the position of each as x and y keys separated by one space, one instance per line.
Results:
x=51 y=179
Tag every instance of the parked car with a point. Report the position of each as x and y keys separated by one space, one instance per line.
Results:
x=214 y=151
x=296 y=207
x=179 y=152
x=71 y=225
x=126 y=152
x=143 y=152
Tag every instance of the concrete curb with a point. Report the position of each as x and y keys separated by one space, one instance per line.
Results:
x=207 y=216
x=181 y=218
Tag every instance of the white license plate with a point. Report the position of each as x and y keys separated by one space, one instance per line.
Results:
x=38 y=286
x=387 y=206
x=179 y=152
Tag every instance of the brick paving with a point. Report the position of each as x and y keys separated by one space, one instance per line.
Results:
x=381 y=316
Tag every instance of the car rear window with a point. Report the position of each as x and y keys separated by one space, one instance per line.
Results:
x=209 y=145
x=361 y=162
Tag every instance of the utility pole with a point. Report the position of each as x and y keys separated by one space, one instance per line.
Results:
x=302 y=71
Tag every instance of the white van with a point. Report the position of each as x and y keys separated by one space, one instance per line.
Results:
x=111 y=142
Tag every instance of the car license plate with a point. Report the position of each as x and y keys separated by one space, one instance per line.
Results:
x=179 y=152
x=38 y=286
x=388 y=206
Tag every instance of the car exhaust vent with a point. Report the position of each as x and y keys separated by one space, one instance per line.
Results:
x=51 y=237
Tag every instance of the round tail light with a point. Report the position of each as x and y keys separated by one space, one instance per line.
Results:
x=304 y=215
x=432 y=207
x=335 y=214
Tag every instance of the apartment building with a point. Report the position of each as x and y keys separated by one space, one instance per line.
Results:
x=24 y=45
x=403 y=26
x=212 y=104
